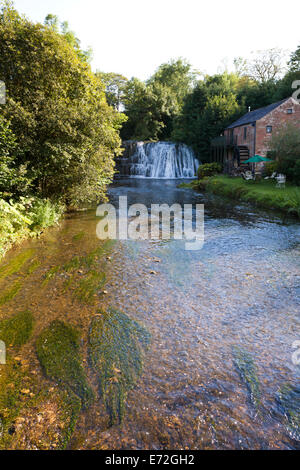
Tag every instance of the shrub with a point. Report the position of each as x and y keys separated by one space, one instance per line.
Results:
x=209 y=169
x=270 y=168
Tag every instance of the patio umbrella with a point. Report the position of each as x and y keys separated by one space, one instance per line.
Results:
x=257 y=159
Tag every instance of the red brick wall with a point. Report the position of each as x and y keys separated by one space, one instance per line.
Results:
x=277 y=119
x=238 y=136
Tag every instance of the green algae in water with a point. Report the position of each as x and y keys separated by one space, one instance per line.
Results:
x=50 y=274
x=79 y=236
x=58 y=351
x=116 y=349
x=11 y=381
x=89 y=285
x=16 y=263
x=289 y=400
x=247 y=370
x=16 y=330
x=33 y=266
x=10 y=293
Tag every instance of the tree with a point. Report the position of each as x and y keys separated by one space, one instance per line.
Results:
x=264 y=66
x=52 y=21
x=147 y=108
x=210 y=107
x=57 y=111
x=285 y=147
x=13 y=178
x=153 y=106
x=115 y=86
x=294 y=62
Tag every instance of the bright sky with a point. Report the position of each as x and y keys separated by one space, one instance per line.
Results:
x=133 y=37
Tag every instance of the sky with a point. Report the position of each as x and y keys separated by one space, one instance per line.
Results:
x=133 y=37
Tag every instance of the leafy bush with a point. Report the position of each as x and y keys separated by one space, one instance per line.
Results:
x=209 y=169
x=285 y=145
x=24 y=218
x=270 y=168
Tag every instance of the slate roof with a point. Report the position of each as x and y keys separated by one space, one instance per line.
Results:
x=255 y=115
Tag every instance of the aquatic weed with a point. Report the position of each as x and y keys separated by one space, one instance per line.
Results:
x=59 y=353
x=116 y=345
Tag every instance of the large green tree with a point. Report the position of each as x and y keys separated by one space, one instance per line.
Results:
x=57 y=110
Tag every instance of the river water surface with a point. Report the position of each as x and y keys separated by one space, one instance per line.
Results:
x=219 y=372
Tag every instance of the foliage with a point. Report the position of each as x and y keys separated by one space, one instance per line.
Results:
x=58 y=112
x=285 y=146
x=52 y=21
x=294 y=62
x=209 y=169
x=270 y=168
x=116 y=352
x=25 y=218
x=115 y=86
x=151 y=107
x=13 y=178
x=264 y=66
x=59 y=353
x=207 y=111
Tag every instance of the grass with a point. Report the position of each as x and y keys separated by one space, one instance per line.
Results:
x=16 y=330
x=262 y=193
x=116 y=346
x=58 y=350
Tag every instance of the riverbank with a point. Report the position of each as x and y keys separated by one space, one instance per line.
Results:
x=262 y=193
x=25 y=219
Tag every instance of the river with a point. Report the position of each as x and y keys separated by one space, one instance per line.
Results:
x=218 y=373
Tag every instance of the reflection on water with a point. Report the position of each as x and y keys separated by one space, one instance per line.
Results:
x=218 y=373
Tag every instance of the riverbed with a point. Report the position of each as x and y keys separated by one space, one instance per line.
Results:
x=218 y=373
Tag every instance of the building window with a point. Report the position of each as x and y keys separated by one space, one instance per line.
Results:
x=269 y=129
x=290 y=111
x=245 y=133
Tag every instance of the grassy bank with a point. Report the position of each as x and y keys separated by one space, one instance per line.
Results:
x=26 y=218
x=262 y=193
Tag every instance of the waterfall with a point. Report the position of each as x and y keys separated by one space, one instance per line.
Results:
x=157 y=160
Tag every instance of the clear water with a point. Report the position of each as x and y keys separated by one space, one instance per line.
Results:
x=222 y=321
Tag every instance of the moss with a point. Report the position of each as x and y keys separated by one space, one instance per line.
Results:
x=59 y=354
x=10 y=293
x=11 y=382
x=16 y=263
x=89 y=285
x=289 y=401
x=116 y=346
x=17 y=330
x=70 y=406
x=247 y=371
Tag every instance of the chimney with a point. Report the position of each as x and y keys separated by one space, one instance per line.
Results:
x=249 y=109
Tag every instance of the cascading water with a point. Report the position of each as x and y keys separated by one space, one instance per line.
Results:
x=157 y=160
